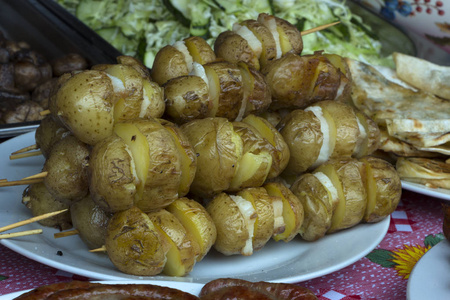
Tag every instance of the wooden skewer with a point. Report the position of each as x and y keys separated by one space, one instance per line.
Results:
x=31 y=220
x=20 y=182
x=101 y=249
x=26 y=149
x=26 y=154
x=20 y=233
x=318 y=28
x=66 y=233
x=45 y=112
x=35 y=176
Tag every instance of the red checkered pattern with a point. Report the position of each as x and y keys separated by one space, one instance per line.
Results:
x=416 y=217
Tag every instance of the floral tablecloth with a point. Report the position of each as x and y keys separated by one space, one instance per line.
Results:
x=415 y=227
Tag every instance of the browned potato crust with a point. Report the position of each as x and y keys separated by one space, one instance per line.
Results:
x=231 y=47
x=169 y=63
x=187 y=98
x=112 y=183
x=67 y=178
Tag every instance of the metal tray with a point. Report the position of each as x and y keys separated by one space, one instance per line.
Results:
x=53 y=32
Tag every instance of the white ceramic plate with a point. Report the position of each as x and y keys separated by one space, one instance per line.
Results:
x=277 y=262
x=191 y=288
x=430 y=278
x=443 y=194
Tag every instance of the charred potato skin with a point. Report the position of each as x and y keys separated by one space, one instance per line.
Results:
x=48 y=133
x=133 y=243
x=112 y=183
x=231 y=47
x=269 y=51
x=169 y=63
x=37 y=198
x=67 y=178
x=187 y=98
x=91 y=221
x=231 y=90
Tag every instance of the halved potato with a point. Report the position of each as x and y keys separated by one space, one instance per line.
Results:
x=183 y=250
x=383 y=189
x=231 y=93
x=200 y=50
x=197 y=222
x=265 y=221
x=293 y=213
x=256 y=96
x=281 y=155
x=253 y=167
x=164 y=172
x=188 y=159
x=290 y=37
x=347 y=176
x=269 y=50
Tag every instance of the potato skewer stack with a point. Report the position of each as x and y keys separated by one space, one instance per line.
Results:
x=138 y=165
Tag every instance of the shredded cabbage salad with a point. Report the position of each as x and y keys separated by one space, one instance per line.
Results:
x=141 y=27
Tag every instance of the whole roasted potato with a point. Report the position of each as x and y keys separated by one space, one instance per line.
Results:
x=169 y=63
x=91 y=222
x=67 y=178
x=218 y=149
x=384 y=189
x=37 y=198
x=187 y=98
x=234 y=229
x=183 y=250
x=48 y=133
x=84 y=104
x=232 y=47
x=133 y=243
x=112 y=175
